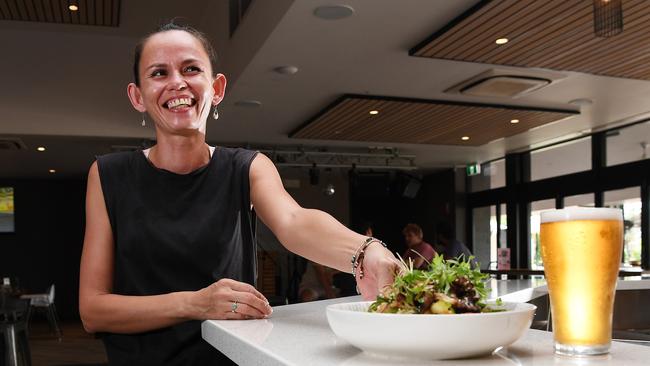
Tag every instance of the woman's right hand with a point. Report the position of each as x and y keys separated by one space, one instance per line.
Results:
x=230 y=299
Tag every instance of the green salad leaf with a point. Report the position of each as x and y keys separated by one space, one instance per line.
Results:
x=445 y=287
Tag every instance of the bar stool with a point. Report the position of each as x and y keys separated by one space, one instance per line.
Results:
x=13 y=326
x=46 y=301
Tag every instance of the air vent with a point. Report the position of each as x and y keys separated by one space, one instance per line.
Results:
x=12 y=143
x=504 y=86
x=505 y=83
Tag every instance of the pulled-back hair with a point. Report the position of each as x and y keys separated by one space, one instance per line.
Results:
x=413 y=228
x=203 y=39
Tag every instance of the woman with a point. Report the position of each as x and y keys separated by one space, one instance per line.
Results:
x=168 y=238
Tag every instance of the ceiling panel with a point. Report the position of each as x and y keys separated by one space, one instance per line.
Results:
x=553 y=34
x=401 y=120
x=90 y=12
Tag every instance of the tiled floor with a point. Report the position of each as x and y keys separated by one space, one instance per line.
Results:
x=75 y=348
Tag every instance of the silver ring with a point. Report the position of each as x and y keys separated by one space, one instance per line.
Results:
x=233 y=307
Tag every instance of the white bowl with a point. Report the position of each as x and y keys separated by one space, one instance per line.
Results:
x=429 y=336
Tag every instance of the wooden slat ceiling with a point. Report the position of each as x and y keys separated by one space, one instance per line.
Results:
x=91 y=12
x=421 y=121
x=553 y=34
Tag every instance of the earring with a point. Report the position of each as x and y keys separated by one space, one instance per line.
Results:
x=143 y=122
x=215 y=113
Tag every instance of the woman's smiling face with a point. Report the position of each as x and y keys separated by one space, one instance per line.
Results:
x=176 y=84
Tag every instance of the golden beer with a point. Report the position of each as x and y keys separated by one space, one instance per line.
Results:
x=581 y=250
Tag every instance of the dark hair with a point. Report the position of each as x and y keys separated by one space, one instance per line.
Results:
x=413 y=228
x=207 y=46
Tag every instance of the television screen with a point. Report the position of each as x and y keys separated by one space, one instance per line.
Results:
x=6 y=209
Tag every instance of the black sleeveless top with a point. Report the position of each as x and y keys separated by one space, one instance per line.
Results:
x=176 y=232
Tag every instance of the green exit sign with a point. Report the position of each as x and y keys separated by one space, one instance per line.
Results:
x=473 y=169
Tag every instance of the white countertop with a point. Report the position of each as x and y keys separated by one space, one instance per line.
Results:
x=299 y=335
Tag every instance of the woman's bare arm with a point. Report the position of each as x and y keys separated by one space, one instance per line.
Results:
x=314 y=234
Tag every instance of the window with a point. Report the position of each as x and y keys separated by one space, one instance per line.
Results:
x=628 y=144
x=497 y=233
x=581 y=200
x=6 y=210
x=482 y=234
x=629 y=200
x=536 y=208
x=552 y=161
x=493 y=175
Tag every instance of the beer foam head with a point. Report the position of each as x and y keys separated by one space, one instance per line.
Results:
x=582 y=213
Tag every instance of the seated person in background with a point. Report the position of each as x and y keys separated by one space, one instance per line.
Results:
x=450 y=248
x=413 y=239
x=316 y=283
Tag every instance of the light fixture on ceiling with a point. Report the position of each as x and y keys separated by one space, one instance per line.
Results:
x=465 y=138
x=73 y=7
x=582 y=102
x=40 y=148
x=286 y=70
x=510 y=86
x=374 y=112
x=501 y=41
x=333 y=12
x=608 y=18
x=514 y=121
x=248 y=103
x=52 y=171
x=329 y=190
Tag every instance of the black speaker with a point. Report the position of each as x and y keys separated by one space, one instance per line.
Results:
x=412 y=188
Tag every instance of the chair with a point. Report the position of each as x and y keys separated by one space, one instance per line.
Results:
x=46 y=301
x=13 y=326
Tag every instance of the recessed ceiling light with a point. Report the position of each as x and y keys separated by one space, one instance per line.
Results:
x=465 y=138
x=513 y=121
x=374 y=111
x=286 y=70
x=501 y=41
x=333 y=12
x=40 y=148
x=248 y=103
x=52 y=171
x=582 y=102
x=73 y=7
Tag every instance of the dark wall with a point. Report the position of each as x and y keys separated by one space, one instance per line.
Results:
x=46 y=247
x=380 y=199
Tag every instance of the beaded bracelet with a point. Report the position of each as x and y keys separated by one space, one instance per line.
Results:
x=359 y=254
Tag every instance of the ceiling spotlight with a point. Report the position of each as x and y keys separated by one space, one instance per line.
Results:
x=40 y=148
x=329 y=190
x=333 y=12
x=513 y=121
x=373 y=112
x=582 y=102
x=286 y=70
x=465 y=138
x=248 y=103
x=501 y=41
x=73 y=7
x=52 y=171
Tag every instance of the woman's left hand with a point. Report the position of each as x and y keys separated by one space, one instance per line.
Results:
x=379 y=269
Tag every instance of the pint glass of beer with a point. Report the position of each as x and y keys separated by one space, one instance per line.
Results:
x=581 y=250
